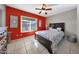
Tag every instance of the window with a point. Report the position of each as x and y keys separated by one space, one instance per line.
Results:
x=28 y=24
x=33 y=24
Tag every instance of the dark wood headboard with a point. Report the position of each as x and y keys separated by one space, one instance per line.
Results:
x=55 y=25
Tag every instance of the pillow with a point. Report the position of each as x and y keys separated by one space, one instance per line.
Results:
x=54 y=29
x=59 y=29
x=50 y=28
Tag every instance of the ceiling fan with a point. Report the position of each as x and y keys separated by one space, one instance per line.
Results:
x=43 y=8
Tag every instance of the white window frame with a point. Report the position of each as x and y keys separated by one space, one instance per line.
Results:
x=30 y=24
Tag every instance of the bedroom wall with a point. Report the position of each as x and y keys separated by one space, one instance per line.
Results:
x=68 y=17
x=15 y=32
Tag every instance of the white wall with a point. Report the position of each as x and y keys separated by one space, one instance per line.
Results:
x=69 y=18
x=3 y=19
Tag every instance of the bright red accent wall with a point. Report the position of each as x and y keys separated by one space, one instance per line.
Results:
x=15 y=32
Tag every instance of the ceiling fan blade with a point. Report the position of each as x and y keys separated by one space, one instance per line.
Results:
x=46 y=13
x=40 y=12
x=49 y=9
x=38 y=9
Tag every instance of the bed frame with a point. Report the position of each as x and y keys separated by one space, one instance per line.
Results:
x=45 y=42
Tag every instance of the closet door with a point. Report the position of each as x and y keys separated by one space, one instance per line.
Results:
x=2 y=15
x=0 y=18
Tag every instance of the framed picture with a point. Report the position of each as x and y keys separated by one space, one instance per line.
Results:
x=40 y=23
x=13 y=21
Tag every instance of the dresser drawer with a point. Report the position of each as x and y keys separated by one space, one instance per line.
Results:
x=3 y=42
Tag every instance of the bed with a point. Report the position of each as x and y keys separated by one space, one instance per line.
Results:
x=51 y=38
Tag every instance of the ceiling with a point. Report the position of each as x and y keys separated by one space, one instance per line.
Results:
x=56 y=8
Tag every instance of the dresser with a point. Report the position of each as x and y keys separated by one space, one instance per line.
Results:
x=3 y=40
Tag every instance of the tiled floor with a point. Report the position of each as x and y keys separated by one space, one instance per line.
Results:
x=27 y=45
x=67 y=47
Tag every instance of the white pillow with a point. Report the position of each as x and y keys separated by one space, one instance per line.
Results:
x=54 y=29
x=59 y=29
x=50 y=28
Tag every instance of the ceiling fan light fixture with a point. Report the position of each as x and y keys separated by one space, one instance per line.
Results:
x=43 y=8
